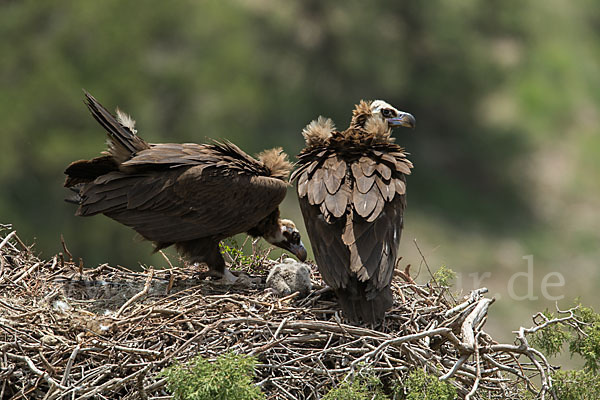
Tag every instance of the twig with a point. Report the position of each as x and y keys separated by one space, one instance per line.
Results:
x=26 y=273
x=478 y=367
x=36 y=370
x=455 y=367
x=7 y=238
x=70 y=361
x=425 y=261
x=399 y=340
x=64 y=246
x=472 y=321
x=474 y=296
x=142 y=293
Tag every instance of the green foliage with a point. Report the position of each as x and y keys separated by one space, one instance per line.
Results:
x=227 y=378
x=423 y=386
x=584 y=342
x=444 y=276
x=231 y=248
x=576 y=385
x=552 y=338
x=587 y=345
x=362 y=388
x=237 y=255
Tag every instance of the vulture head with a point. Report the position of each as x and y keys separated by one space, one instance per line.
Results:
x=393 y=117
x=379 y=115
x=288 y=238
x=372 y=123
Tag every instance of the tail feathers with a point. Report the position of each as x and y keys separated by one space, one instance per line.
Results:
x=123 y=141
x=357 y=307
x=75 y=197
x=83 y=171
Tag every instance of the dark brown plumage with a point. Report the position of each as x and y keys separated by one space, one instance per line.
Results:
x=189 y=195
x=352 y=191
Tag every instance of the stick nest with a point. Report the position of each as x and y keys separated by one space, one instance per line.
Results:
x=69 y=332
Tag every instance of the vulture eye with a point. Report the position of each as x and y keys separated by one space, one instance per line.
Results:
x=295 y=237
x=387 y=113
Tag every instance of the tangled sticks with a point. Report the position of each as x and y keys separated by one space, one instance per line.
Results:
x=69 y=332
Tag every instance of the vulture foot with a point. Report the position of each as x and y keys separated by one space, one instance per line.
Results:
x=243 y=280
x=228 y=278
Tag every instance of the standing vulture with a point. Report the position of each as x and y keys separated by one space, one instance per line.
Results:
x=189 y=195
x=352 y=191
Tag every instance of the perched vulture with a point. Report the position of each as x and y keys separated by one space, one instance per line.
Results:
x=189 y=195
x=352 y=190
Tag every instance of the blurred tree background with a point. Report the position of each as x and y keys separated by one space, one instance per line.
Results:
x=506 y=96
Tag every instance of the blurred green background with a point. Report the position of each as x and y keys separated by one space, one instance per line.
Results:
x=506 y=96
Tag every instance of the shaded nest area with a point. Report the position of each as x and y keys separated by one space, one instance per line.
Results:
x=107 y=332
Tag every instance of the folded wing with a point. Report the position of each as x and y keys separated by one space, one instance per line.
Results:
x=173 y=192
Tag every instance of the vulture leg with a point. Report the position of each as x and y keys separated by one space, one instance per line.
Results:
x=206 y=251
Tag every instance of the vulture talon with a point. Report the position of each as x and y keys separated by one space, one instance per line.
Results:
x=352 y=188
x=188 y=195
x=238 y=278
x=227 y=278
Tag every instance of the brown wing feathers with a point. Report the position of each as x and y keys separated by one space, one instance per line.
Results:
x=370 y=183
x=351 y=186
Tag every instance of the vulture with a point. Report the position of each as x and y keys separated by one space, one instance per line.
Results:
x=188 y=195
x=351 y=186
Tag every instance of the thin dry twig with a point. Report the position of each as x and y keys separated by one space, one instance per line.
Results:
x=139 y=295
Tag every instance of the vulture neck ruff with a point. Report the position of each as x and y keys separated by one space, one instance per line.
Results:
x=366 y=131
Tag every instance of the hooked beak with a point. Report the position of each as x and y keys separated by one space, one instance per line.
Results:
x=298 y=250
x=403 y=119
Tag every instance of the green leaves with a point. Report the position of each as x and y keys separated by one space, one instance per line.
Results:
x=229 y=377
x=245 y=258
x=363 y=387
x=576 y=385
x=444 y=276
x=587 y=343
x=423 y=386
x=584 y=342
x=552 y=338
x=418 y=386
